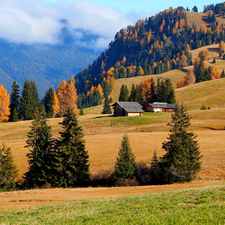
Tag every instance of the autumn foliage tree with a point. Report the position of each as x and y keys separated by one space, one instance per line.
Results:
x=4 y=104
x=55 y=106
x=67 y=96
x=221 y=46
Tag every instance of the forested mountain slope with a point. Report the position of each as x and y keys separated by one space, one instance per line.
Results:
x=154 y=45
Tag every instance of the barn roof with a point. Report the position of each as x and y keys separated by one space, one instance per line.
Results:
x=130 y=106
x=162 y=105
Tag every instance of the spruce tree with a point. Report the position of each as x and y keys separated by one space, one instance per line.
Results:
x=74 y=168
x=182 y=159
x=200 y=77
x=106 y=106
x=40 y=155
x=48 y=102
x=29 y=100
x=124 y=94
x=14 y=99
x=8 y=170
x=125 y=166
x=14 y=116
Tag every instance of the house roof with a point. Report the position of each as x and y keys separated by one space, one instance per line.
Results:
x=162 y=105
x=130 y=106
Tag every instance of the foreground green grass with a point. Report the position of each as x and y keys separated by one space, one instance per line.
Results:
x=194 y=206
x=114 y=121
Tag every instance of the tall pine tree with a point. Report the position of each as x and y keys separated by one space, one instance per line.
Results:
x=182 y=159
x=29 y=100
x=124 y=93
x=106 y=106
x=14 y=100
x=74 y=168
x=49 y=101
x=40 y=155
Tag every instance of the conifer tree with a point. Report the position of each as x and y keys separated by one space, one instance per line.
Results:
x=14 y=99
x=81 y=111
x=40 y=155
x=182 y=159
x=106 y=106
x=29 y=100
x=8 y=170
x=14 y=116
x=124 y=94
x=154 y=170
x=49 y=101
x=125 y=166
x=73 y=169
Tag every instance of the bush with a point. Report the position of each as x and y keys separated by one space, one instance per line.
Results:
x=126 y=182
x=102 y=179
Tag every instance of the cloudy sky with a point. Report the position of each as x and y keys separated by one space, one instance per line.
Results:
x=37 y=21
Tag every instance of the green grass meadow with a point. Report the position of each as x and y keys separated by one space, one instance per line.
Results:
x=205 y=205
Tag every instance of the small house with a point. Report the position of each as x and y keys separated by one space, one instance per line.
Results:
x=160 y=107
x=127 y=109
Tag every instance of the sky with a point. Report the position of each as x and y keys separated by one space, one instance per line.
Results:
x=38 y=21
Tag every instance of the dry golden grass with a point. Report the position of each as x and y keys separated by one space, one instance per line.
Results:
x=104 y=145
x=103 y=150
x=201 y=18
x=209 y=93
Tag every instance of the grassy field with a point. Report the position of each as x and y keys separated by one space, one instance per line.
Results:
x=194 y=206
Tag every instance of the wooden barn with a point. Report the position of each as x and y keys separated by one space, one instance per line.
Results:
x=127 y=109
x=160 y=107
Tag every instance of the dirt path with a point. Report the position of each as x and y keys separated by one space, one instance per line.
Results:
x=21 y=199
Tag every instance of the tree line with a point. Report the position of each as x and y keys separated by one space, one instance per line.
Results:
x=64 y=162
x=23 y=105
x=149 y=92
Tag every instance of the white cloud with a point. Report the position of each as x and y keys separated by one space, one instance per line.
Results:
x=33 y=21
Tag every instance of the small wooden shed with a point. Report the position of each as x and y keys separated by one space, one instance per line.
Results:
x=160 y=107
x=127 y=109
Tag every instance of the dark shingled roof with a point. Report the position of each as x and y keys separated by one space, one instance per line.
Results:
x=130 y=106
x=163 y=105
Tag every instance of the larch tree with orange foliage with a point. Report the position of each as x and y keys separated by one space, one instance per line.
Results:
x=221 y=46
x=100 y=90
x=55 y=106
x=4 y=104
x=214 y=72
x=67 y=96
x=183 y=60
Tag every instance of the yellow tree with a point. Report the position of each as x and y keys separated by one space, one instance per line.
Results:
x=67 y=96
x=4 y=104
x=214 y=72
x=221 y=46
x=146 y=89
x=71 y=96
x=61 y=94
x=55 y=105
x=112 y=83
x=99 y=88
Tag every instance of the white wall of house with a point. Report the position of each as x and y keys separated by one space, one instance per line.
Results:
x=133 y=114
x=157 y=109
